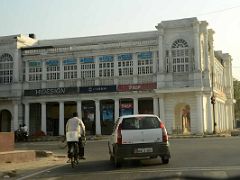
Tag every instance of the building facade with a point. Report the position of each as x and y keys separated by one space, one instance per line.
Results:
x=173 y=72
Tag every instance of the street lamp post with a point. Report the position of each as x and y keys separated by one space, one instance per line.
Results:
x=213 y=101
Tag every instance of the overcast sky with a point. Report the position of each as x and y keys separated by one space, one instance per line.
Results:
x=51 y=19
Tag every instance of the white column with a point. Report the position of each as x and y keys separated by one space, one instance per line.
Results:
x=26 y=71
x=44 y=118
x=135 y=68
x=97 y=113
x=199 y=112
x=79 y=109
x=26 y=121
x=155 y=61
x=135 y=106
x=162 y=109
x=61 y=69
x=196 y=46
x=160 y=52
x=155 y=106
x=116 y=109
x=61 y=118
x=15 y=116
x=207 y=64
x=44 y=71
x=97 y=80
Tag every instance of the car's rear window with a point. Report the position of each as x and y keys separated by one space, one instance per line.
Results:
x=140 y=123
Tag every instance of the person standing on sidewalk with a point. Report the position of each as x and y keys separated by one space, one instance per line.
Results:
x=75 y=124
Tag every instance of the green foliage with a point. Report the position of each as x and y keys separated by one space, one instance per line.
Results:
x=236 y=87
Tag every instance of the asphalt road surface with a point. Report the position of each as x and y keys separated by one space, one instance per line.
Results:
x=192 y=158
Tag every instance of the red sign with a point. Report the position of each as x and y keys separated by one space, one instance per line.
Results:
x=126 y=106
x=137 y=87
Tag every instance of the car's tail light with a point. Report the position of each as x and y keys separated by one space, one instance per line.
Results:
x=164 y=132
x=119 y=134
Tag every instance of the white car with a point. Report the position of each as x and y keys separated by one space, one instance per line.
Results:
x=139 y=136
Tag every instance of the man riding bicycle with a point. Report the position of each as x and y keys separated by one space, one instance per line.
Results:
x=76 y=125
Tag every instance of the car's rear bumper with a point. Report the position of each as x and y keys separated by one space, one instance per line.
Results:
x=129 y=151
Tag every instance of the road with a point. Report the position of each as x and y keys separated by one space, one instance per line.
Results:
x=215 y=157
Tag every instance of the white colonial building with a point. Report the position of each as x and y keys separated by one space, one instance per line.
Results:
x=172 y=71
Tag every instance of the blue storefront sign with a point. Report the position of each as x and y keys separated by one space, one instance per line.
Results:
x=52 y=62
x=69 y=61
x=124 y=57
x=97 y=89
x=145 y=55
x=34 y=63
x=106 y=58
x=87 y=60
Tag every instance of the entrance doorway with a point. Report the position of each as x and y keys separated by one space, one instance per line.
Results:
x=88 y=116
x=5 y=121
x=125 y=107
x=52 y=111
x=182 y=118
x=107 y=116
x=34 y=118
x=145 y=106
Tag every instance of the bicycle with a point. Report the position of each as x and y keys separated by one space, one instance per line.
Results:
x=72 y=138
x=73 y=154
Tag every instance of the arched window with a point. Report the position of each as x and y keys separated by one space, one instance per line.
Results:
x=180 y=56
x=6 y=68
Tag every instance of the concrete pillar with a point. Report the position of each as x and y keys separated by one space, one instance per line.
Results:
x=135 y=106
x=26 y=121
x=135 y=68
x=61 y=118
x=155 y=62
x=26 y=71
x=15 y=116
x=199 y=112
x=44 y=118
x=155 y=106
x=196 y=46
x=61 y=69
x=79 y=109
x=160 y=52
x=97 y=114
x=116 y=108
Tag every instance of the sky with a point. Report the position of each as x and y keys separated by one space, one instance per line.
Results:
x=57 y=19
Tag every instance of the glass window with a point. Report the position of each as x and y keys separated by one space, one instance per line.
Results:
x=140 y=123
x=180 y=56
x=125 y=67
x=53 y=71
x=106 y=69
x=6 y=68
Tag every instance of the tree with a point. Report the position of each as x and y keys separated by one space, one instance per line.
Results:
x=236 y=87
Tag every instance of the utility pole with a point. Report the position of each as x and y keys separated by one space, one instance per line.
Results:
x=213 y=101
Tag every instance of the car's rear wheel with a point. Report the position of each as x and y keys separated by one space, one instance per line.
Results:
x=165 y=160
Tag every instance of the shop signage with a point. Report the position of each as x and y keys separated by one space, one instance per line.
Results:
x=69 y=61
x=52 y=63
x=145 y=55
x=126 y=106
x=34 y=63
x=124 y=57
x=51 y=91
x=137 y=87
x=87 y=60
x=106 y=58
x=97 y=89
